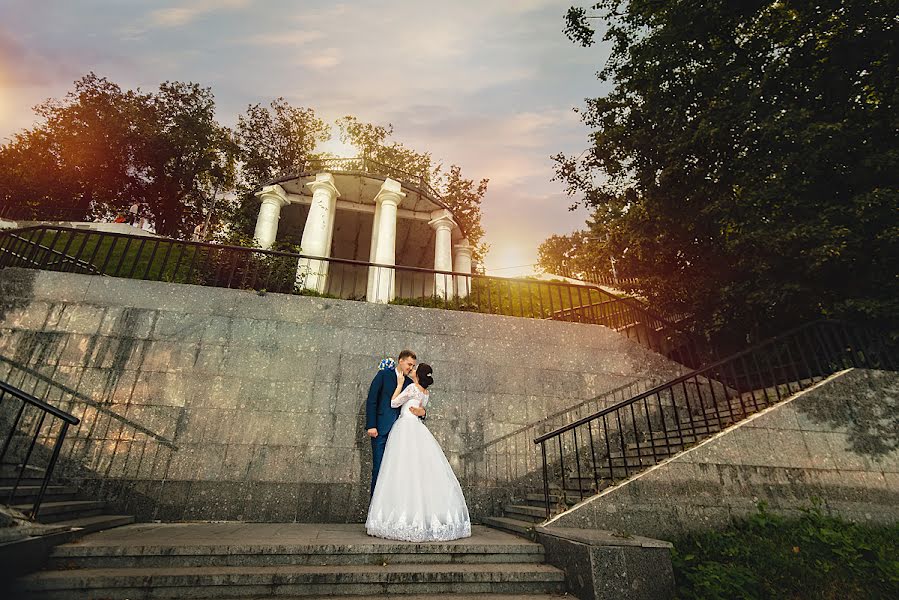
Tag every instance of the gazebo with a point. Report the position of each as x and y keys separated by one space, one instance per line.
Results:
x=357 y=214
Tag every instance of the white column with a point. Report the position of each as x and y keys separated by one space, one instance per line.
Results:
x=273 y=198
x=462 y=264
x=317 y=234
x=382 y=281
x=443 y=224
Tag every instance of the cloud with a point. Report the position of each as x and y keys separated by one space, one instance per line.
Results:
x=284 y=38
x=24 y=65
x=178 y=16
x=321 y=59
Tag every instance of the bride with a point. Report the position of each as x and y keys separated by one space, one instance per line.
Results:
x=417 y=496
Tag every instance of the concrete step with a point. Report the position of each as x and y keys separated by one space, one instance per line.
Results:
x=112 y=555
x=28 y=493
x=9 y=473
x=539 y=500
x=92 y=524
x=292 y=580
x=523 y=528
x=523 y=512
x=391 y=596
x=52 y=512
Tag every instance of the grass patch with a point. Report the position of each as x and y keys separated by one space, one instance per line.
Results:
x=815 y=556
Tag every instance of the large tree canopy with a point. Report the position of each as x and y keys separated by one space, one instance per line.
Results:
x=101 y=148
x=747 y=157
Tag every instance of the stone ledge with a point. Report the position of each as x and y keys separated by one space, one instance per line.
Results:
x=602 y=565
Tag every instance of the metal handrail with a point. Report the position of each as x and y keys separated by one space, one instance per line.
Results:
x=232 y=266
x=676 y=381
x=737 y=386
x=64 y=418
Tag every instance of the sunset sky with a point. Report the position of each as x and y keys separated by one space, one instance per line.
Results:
x=489 y=85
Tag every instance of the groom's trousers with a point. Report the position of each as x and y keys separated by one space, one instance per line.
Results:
x=377 y=453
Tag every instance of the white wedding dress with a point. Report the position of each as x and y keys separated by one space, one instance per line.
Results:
x=417 y=496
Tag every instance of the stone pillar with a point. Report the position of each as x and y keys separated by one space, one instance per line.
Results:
x=273 y=198
x=317 y=234
x=462 y=264
x=443 y=224
x=381 y=280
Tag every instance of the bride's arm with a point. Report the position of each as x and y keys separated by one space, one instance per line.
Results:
x=401 y=398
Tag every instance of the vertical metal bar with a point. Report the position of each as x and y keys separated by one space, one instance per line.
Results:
x=37 y=432
x=80 y=251
x=545 y=479
x=140 y=249
x=193 y=261
x=64 y=255
x=12 y=431
x=49 y=472
x=652 y=442
x=51 y=248
x=152 y=257
x=122 y=257
x=623 y=446
x=593 y=456
x=561 y=462
x=114 y=240
x=577 y=460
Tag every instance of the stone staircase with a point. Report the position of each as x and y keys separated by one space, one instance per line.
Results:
x=589 y=478
x=63 y=506
x=288 y=560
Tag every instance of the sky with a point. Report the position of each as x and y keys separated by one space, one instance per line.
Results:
x=488 y=85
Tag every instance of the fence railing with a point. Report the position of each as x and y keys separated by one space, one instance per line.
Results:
x=25 y=419
x=512 y=458
x=588 y=454
x=201 y=263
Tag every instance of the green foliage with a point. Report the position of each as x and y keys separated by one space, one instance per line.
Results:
x=745 y=164
x=462 y=196
x=102 y=148
x=767 y=556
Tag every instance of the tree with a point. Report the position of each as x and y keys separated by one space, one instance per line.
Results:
x=186 y=155
x=277 y=140
x=747 y=158
x=101 y=148
x=558 y=255
x=272 y=141
x=462 y=196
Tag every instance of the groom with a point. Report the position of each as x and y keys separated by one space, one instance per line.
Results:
x=379 y=415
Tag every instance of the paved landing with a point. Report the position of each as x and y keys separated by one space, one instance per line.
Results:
x=269 y=534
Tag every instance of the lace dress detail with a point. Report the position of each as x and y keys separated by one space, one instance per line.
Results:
x=417 y=497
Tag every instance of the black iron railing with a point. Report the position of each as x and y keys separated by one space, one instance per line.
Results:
x=25 y=417
x=591 y=453
x=510 y=458
x=104 y=452
x=200 y=263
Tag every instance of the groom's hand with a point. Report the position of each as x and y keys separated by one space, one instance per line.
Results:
x=373 y=432
x=417 y=411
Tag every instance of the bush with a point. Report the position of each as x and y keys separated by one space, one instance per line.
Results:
x=766 y=556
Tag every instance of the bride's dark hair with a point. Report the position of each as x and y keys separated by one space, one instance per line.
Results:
x=424 y=371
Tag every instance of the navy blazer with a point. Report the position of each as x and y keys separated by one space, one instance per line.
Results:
x=378 y=412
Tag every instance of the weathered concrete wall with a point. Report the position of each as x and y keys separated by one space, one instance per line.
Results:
x=202 y=403
x=837 y=443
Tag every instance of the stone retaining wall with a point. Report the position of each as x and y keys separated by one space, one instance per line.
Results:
x=206 y=403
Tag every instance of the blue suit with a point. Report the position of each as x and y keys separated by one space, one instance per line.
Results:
x=380 y=415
